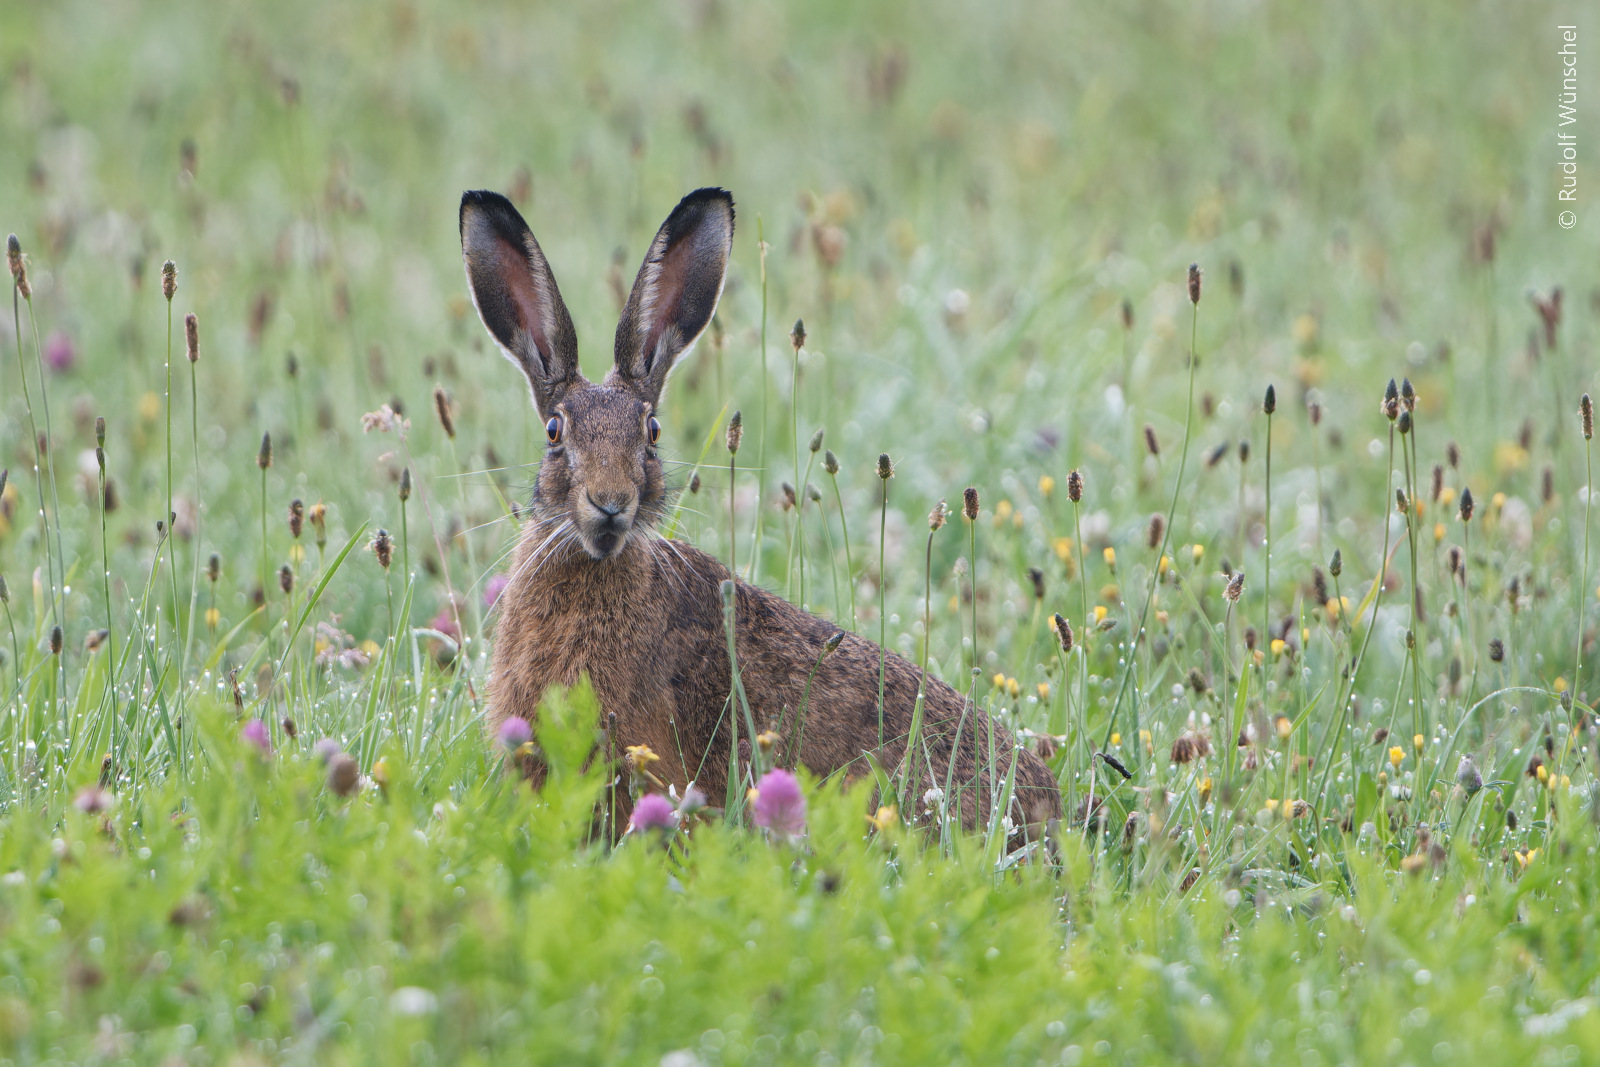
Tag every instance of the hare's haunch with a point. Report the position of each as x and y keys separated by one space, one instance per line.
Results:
x=595 y=588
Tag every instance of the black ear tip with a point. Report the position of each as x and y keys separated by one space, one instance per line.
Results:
x=711 y=197
x=499 y=212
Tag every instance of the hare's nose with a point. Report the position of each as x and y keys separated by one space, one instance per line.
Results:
x=611 y=506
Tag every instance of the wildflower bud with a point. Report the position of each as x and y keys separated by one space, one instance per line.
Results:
x=1466 y=504
x=441 y=404
x=264 y=456
x=286 y=579
x=1511 y=820
x=100 y=430
x=383 y=548
x=1151 y=445
x=735 y=433
x=1269 y=403
x=832 y=643
x=1468 y=775
x=1497 y=650
x=405 y=484
x=55 y=640
x=1408 y=395
x=214 y=568
x=319 y=522
x=297 y=517
x=169 y=280
x=797 y=336
x=1586 y=412
x=1158 y=527
x=14 y=256
x=830 y=462
x=1235 y=587
x=885 y=466
x=694 y=482
x=936 y=517
x=813 y=494
x=1404 y=424
x=344 y=774
x=969 y=503
x=788 y=496
x=191 y=337
x=1194 y=283
x=1075 y=485
x=1391 y=401
x=816 y=442
x=1216 y=455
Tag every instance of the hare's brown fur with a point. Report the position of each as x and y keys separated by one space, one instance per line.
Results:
x=594 y=589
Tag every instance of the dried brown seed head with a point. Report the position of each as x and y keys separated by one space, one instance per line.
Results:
x=885 y=466
x=1151 y=444
x=264 y=455
x=1269 y=403
x=936 y=517
x=191 y=337
x=1194 y=283
x=1063 y=632
x=1235 y=587
x=441 y=405
x=969 y=503
x=297 y=517
x=169 y=280
x=735 y=432
x=1075 y=485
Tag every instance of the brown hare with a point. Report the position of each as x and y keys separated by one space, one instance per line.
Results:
x=594 y=587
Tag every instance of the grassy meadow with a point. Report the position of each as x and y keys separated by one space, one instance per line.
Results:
x=1324 y=730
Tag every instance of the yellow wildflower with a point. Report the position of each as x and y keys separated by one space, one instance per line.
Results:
x=1047 y=484
x=1110 y=555
x=1396 y=754
x=888 y=816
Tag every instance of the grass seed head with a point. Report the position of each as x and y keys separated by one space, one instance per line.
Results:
x=19 y=268
x=1194 y=283
x=1391 y=401
x=813 y=494
x=383 y=548
x=1497 y=650
x=1156 y=530
x=1452 y=455
x=1547 y=484
x=969 y=503
x=1151 y=444
x=1063 y=632
x=191 y=337
x=344 y=775
x=1586 y=414
x=797 y=336
x=830 y=462
x=99 y=436
x=264 y=455
x=694 y=482
x=735 y=432
x=1466 y=504
x=1438 y=483
x=1244 y=452
x=169 y=280
x=297 y=517
x=936 y=517
x=1075 y=485
x=1404 y=422
x=885 y=466
x=286 y=579
x=816 y=442
x=1314 y=409
x=1127 y=314
x=1235 y=587
x=55 y=640
x=1269 y=403
x=441 y=404
x=1408 y=394
x=319 y=522
x=789 y=498
x=1036 y=576
x=214 y=568
x=1216 y=455
x=405 y=485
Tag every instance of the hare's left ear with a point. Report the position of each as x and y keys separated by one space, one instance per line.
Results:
x=676 y=291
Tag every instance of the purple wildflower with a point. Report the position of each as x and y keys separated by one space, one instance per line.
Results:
x=92 y=800
x=780 y=806
x=493 y=588
x=652 y=812
x=255 y=733
x=514 y=733
x=59 y=352
x=325 y=749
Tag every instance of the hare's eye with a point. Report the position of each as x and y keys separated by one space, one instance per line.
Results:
x=552 y=429
x=655 y=429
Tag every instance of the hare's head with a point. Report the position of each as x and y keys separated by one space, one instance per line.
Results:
x=600 y=472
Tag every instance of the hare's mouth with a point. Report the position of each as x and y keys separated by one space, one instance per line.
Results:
x=603 y=528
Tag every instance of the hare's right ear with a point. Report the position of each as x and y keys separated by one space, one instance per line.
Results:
x=516 y=296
